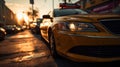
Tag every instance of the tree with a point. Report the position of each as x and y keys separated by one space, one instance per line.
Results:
x=33 y=13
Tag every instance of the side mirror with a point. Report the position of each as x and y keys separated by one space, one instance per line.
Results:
x=51 y=19
x=46 y=16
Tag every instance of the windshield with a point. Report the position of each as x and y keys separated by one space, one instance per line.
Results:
x=66 y=12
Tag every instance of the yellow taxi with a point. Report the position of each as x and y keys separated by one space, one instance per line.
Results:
x=82 y=37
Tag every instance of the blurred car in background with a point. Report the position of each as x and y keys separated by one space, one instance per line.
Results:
x=2 y=33
x=10 y=29
x=79 y=36
x=35 y=27
x=19 y=28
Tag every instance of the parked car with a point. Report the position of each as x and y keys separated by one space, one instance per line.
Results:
x=10 y=29
x=35 y=27
x=82 y=37
x=19 y=28
x=2 y=33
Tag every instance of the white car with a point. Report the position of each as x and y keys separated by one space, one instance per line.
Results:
x=2 y=33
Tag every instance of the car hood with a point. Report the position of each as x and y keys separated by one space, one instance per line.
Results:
x=88 y=17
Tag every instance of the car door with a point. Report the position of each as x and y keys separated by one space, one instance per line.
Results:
x=44 y=26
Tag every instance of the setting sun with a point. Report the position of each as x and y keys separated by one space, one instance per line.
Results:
x=25 y=18
x=20 y=16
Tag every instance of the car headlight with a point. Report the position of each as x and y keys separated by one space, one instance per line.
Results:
x=13 y=28
x=77 y=26
x=19 y=29
x=2 y=29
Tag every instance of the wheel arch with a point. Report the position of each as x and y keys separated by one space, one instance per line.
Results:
x=49 y=33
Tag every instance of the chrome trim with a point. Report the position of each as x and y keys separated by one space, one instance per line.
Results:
x=110 y=19
x=62 y=32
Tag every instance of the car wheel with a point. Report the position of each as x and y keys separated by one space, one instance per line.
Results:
x=52 y=46
x=2 y=37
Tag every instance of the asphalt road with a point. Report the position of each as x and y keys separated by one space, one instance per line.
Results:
x=25 y=49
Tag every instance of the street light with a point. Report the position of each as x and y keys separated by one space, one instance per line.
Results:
x=52 y=7
x=32 y=2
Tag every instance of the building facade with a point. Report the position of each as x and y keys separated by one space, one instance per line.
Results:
x=6 y=15
x=2 y=3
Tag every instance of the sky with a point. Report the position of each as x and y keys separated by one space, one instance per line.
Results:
x=44 y=6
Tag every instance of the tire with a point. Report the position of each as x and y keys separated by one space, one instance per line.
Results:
x=52 y=46
x=2 y=37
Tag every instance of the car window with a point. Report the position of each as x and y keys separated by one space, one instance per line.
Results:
x=65 y=12
x=117 y=10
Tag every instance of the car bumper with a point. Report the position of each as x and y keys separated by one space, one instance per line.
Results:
x=88 y=48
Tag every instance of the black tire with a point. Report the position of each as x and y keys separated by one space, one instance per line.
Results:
x=2 y=38
x=52 y=46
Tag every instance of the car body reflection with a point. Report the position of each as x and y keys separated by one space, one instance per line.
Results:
x=80 y=37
